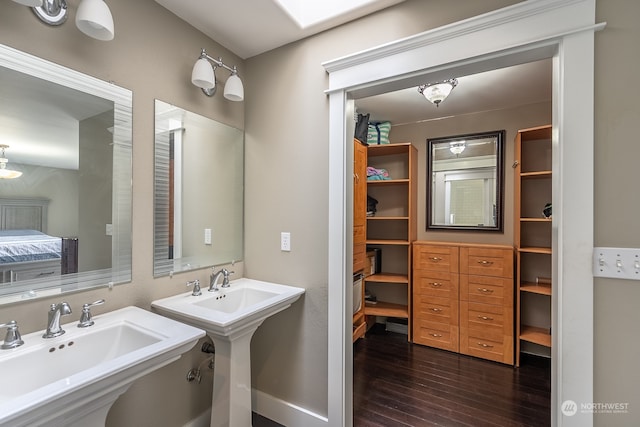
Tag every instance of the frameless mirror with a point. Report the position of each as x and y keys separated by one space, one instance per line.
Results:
x=199 y=191
x=65 y=223
x=465 y=182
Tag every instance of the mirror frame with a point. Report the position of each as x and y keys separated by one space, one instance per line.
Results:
x=121 y=247
x=431 y=142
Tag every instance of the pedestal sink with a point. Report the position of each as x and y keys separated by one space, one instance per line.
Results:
x=231 y=316
x=73 y=379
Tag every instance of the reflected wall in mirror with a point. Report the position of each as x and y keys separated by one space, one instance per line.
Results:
x=199 y=191
x=65 y=223
x=465 y=182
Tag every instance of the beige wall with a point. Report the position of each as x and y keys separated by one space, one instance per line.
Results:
x=286 y=187
x=152 y=55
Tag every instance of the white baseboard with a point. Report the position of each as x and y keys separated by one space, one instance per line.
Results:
x=285 y=413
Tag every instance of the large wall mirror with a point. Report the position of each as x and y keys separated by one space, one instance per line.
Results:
x=65 y=222
x=465 y=186
x=199 y=191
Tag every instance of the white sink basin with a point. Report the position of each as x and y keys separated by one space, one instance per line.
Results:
x=73 y=379
x=231 y=316
x=245 y=304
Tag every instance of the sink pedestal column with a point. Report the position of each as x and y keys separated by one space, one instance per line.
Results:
x=231 y=405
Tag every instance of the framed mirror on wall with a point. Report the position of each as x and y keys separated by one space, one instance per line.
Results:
x=198 y=191
x=65 y=220
x=465 y=182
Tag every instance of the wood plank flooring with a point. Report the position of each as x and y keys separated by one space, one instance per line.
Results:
x=401 y=384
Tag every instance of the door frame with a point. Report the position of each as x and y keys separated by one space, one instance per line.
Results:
x=536 y=29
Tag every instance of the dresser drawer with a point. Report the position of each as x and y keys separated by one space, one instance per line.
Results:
x=435 y=309
x=436 y=284
x=359 y=256
x=478 y=345
x=486 y=317
x=434 y=334
x=484 y=261
x=487 y=290
x=435 y=258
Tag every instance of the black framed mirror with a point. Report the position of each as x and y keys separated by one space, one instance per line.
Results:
x=465 y=182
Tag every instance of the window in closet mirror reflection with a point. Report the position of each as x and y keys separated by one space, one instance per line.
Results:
x=465 y=185
x=198 y=191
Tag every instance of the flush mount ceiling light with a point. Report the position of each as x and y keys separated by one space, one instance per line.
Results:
x=457 y=147
x=204 y=76
x=4 y=172
x=93 y=17
x=438 y=92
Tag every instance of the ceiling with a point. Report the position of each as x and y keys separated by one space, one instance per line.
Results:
x=252 y=27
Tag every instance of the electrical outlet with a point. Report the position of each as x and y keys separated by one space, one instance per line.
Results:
x=109 y=230
x=285 y=241
x=207 y=236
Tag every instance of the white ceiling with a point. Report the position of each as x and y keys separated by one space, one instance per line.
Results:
x=251 y=27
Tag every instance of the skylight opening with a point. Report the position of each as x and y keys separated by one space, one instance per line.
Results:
x=308 y=13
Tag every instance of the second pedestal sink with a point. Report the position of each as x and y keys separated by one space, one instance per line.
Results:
x=231 y=316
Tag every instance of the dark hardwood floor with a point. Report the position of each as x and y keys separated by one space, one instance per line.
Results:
x=400 y=384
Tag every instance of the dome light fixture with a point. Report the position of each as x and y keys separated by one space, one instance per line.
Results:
x=4 y=172
x=437 y=92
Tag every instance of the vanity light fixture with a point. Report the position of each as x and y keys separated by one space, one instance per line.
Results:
x=204 y=76
x=93 y=17
x=4 y=172
x=437 y=92
x=457 y=147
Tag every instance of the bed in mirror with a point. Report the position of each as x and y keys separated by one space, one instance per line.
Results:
x=65 y=222
x=465 y=187
x=199 y=191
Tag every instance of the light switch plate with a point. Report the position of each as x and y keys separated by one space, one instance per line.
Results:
x=617 y=263
x=285 y=241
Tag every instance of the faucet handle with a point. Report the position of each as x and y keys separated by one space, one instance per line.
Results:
x=13 y=338
x=85 y=317
x=196 y=287
x=225 y=280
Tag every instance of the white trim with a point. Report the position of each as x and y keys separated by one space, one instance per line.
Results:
x=285 y=413
x=529 y=30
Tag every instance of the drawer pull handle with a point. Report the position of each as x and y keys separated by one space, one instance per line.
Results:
x=485 y=290
x=436 y=335
x=485 y=318
x=436 y=284
x=435 y=259
x=436 y=310
x=483 y=345
x=485 y=262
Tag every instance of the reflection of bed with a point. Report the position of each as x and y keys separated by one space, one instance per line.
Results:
x=26 y=251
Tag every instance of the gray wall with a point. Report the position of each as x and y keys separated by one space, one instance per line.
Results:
x=286 y=187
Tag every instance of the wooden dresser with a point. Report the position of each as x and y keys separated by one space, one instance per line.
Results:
x=463 y=298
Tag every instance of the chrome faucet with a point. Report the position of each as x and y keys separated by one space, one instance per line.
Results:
x=225 y=279
x=213 y=285
x=13 y=338
x=53 y=323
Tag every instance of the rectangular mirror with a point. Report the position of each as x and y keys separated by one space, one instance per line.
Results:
x=65 y=223
x=199 y=191
x=465 y=182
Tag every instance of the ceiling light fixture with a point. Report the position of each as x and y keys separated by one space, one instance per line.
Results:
x=204 y=76
x=438 y=92
x=93 y=17
x=457 y=147
x=4 y=172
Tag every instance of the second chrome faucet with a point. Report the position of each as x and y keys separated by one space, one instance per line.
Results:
x=213 y=286
x=53 y=321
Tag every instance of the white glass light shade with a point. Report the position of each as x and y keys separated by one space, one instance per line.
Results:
x=7 y=173
x=457 y=147
x=30 y=3
x=202 y=74
x=94 y=19
x=233 y=88
x=438 y=92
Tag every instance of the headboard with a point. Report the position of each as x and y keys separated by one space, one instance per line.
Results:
x=23 y=213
